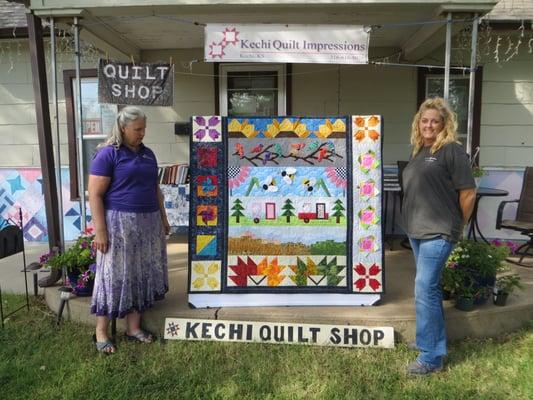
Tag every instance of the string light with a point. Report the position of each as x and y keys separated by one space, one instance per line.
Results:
x=497 y=49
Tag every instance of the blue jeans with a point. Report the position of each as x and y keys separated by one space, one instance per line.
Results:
x=430 y=257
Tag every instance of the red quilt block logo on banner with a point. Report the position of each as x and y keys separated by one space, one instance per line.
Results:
x=207 y=185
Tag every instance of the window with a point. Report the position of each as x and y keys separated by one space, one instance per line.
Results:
x=458 y=98
x=252 y=90
x=98 y=120
x=431 y=84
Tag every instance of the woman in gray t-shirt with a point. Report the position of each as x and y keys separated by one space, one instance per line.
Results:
x=439 y=195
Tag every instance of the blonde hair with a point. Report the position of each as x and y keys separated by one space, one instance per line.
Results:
x=448 y=133
x=124 y=117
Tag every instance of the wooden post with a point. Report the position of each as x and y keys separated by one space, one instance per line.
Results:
x=44 y=133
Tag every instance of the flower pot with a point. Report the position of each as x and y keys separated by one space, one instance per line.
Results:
x=500 y=299
x=80 y=288
x=483 y=287
x=446 y=295
x=464 y=303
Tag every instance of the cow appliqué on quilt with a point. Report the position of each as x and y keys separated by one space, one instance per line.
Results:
x=285 y=208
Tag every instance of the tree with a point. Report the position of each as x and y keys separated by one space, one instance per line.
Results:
x=338 y=208
x=288 y=210
x=237 y=208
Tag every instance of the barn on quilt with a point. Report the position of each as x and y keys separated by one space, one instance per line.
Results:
x=285 y=211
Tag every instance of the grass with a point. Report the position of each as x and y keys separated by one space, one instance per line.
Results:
x=41 y=361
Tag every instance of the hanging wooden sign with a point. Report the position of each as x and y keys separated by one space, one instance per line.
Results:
x=141 y=84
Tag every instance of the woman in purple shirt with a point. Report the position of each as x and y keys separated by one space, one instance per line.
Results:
x=130 y=224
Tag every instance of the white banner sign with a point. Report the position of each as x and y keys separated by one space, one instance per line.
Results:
x=271 y=332
x=321 y=44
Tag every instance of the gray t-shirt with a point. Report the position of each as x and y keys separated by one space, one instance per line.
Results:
x=431 y=184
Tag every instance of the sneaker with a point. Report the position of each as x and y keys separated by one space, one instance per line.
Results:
x=412 y=346
x=418 y=368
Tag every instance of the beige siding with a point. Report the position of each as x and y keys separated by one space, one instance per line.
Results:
x=390 y=92
x=507 y=113
x=19 y=144
x=194 y=94
x=506 y=119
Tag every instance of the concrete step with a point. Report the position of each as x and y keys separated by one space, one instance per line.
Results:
x=396 y=308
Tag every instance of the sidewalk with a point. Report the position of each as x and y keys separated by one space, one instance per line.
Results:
x=396 y=308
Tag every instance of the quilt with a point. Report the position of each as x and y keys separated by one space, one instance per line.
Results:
x=286 y=205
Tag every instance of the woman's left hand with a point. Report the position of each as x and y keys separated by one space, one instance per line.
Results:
x=166 y=227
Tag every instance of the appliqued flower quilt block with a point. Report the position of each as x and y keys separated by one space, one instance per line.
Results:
x=207 y=129
x=205 y=275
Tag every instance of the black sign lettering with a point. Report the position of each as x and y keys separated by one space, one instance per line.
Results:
x=335 y=337
x=235 y=331
x=205 y=330
x=350 y=334
x=365 y=337
x=190 y=330
x=378 y=335
x=314 y=333
x=301 y=338
x=218 y=328
x=264 y=333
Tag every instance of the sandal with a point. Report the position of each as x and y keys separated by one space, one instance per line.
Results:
x=106 y=347
x=140 y=337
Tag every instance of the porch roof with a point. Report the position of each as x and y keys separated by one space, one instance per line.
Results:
x=126 y=27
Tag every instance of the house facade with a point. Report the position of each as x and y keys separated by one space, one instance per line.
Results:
x=406 y=53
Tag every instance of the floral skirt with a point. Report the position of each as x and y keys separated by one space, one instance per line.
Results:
x=132 y=275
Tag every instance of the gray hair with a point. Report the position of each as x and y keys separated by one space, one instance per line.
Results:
x=124 y=117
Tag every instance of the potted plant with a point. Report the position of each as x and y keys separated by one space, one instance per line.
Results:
x=505 y=285
x=464 y=293
x=478 y=172
x=79 y=262
x=474 y=264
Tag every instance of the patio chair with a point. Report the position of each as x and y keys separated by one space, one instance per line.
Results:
x=523 y=221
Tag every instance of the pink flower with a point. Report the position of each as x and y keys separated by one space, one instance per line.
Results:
x=367 y=244
x=367 y=189
x=237 y=176
x=367 y=216
x=367 y=160
x=337 y=176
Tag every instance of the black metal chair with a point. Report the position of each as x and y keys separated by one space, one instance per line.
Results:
x=523 y=221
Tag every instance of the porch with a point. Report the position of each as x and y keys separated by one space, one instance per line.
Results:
x=396 y=308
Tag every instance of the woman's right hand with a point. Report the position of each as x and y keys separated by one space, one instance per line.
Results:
x=101 y=240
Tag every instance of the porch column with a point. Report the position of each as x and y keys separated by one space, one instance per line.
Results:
x=44 y=133
x=447 y=58
x=472 y=85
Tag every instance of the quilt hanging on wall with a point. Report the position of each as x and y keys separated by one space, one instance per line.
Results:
x=285 y=211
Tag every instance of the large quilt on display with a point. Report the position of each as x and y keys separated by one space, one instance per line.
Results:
x=285 y=211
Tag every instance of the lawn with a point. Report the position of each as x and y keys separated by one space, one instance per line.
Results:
x=39 y=360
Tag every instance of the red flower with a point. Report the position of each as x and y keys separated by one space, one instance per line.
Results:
x=367 y=278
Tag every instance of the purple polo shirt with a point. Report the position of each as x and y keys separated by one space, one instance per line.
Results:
x=133 y=186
